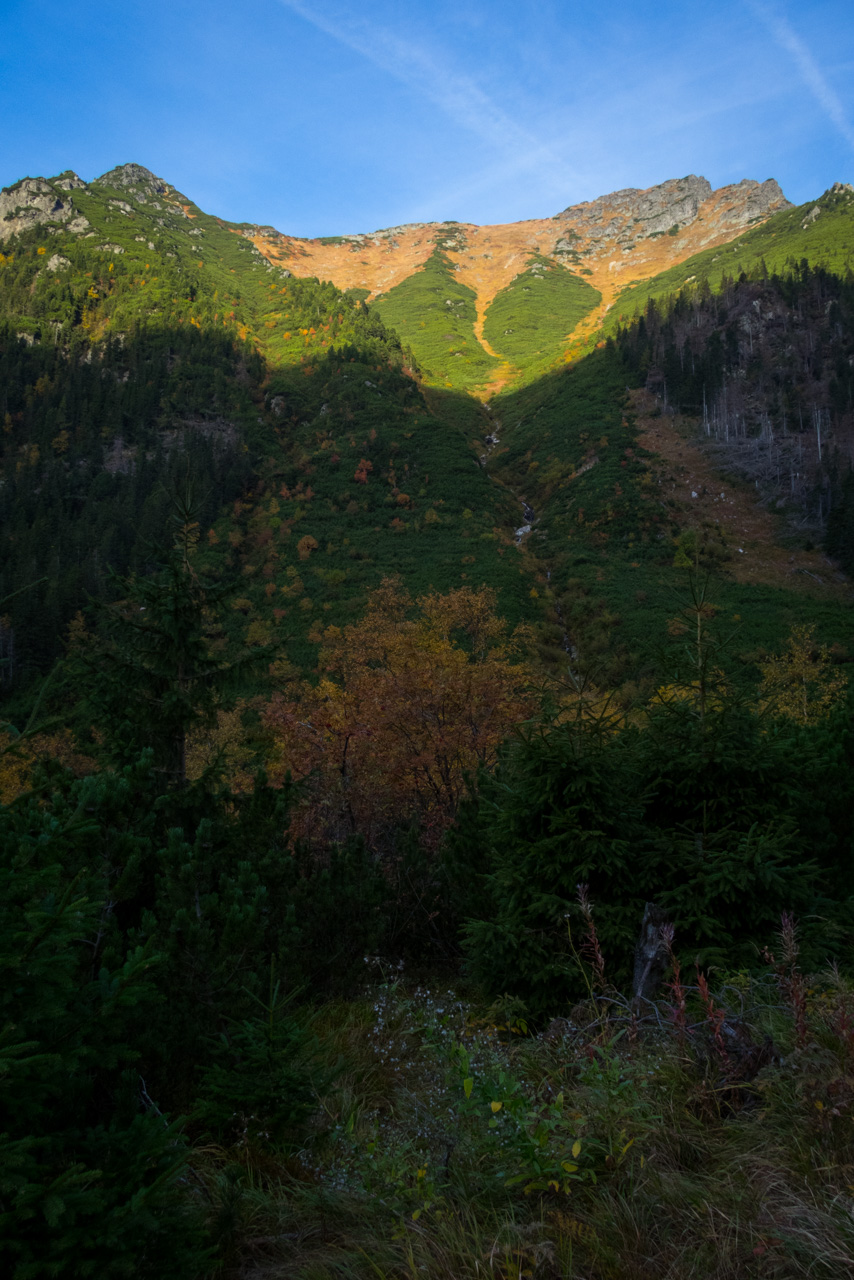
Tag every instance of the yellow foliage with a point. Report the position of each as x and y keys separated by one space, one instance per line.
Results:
x=802 y=683
x=227 y=741
x=258 y=632
x=15 y=768
x=709 y=691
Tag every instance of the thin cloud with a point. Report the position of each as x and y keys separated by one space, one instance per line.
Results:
x=457 y=95
x=811 y=73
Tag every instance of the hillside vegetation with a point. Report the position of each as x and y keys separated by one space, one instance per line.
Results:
x=127 y=368
x=530 y=321
x=818 y=232
x=425 y=824
x=435 y=315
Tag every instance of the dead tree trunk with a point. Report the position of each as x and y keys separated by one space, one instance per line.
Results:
x=650 y=956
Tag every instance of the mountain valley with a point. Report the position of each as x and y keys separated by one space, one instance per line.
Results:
x=426 y=752
x=455 y=335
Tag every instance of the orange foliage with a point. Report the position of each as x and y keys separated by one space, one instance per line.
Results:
x=360 y=475
x=406 y=706
x=306 y=545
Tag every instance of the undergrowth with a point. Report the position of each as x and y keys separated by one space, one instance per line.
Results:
x=616 y=1143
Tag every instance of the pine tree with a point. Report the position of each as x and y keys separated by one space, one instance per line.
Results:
x=152 y=675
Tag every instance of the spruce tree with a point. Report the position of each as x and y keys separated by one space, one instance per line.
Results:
x=151 y=674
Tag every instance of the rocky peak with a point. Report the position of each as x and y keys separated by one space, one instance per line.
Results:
x=839 y=190
x=624 y=220
x=68 y=181
x=657 y=209
x=134 y=175
x=750 y=200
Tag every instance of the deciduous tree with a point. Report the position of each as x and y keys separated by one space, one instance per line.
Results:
x=409 y=701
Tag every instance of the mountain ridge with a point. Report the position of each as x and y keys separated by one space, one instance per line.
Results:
x=595 y=237
x=617 y=239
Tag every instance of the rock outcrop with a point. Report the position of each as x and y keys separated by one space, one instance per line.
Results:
x=651 y=212
x=624 y=219
x=31 y=203
x=136 y=177
x=68 y=181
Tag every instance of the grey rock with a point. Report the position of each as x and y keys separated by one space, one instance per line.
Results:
x=68 y=181
x=752 y=201
x=32 y=202
x=134 y=176
x=658 y=208
x=631 y=214
x=57 y=262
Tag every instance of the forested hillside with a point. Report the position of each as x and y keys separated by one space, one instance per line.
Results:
x=426 y=815
x=132 y=365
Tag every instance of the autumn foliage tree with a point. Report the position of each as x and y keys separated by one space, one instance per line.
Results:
x=801 y=683
x=409 y=701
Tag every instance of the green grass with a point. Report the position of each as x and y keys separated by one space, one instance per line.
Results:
x=528 y=322
x=434 y=314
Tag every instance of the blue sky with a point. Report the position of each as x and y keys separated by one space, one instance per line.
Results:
x=325 y=116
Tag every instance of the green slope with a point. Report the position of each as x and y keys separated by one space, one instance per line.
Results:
x=528 y=321
x=434 y=313
x=603 y=543
x=125 y=368
x=157 y=341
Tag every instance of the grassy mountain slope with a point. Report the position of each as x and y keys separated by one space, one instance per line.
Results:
x=145 y=339
x=434 y=313
x=529 y=321
x=608 y=524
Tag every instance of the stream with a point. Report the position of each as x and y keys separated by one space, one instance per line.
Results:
x=529 y=518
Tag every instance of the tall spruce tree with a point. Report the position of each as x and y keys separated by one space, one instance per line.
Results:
x=151 y=673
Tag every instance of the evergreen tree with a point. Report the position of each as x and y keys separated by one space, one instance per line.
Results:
x=151 y=674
